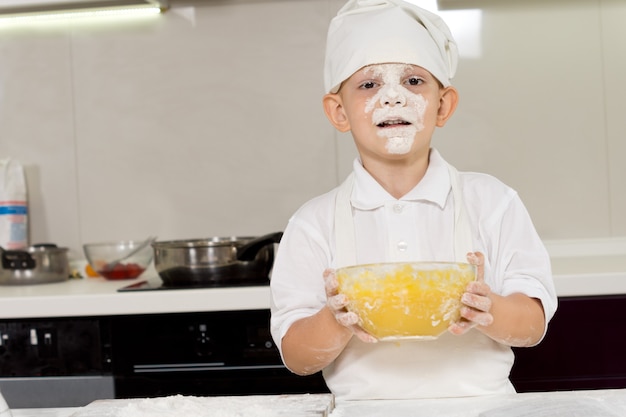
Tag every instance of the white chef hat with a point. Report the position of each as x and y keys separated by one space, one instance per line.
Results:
x=366 y=32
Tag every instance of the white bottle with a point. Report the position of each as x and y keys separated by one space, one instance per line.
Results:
x=13 y=205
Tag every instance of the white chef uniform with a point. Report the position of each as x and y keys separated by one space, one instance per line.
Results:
x=425 y=225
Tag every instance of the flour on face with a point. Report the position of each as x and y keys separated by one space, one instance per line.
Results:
x=401 y=112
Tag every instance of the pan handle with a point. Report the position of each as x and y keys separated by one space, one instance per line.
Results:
x=17 y=260
x=248 y=251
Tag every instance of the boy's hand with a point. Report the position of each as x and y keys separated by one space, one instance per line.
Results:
x=337 y=303
x=476 y=301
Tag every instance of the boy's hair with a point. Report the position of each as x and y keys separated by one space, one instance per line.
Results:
x=367 y=32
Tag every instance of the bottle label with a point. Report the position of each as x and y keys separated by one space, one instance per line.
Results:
x=13 y=205
x=13 y=210
x=13 y=225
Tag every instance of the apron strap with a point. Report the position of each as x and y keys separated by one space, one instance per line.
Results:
x=462 y=230
x=345 y=247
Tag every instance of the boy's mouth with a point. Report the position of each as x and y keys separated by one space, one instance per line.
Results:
x=393 y=123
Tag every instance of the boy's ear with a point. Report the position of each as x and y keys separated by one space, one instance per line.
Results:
x=333 y=107
x=448 y=100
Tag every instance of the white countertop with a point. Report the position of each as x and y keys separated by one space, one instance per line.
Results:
x=597 y=403
x=44 y=412
x=589 y=275
x=99 y=297
x=605 y=403
x=573 y=276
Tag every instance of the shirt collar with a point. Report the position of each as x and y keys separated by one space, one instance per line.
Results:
x=368 y=194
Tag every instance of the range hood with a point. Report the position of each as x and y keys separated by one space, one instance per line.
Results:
x=17 y=7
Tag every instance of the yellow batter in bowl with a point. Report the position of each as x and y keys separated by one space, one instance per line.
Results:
x=406 y=299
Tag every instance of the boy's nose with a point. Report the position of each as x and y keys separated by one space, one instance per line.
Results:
x=391 y=97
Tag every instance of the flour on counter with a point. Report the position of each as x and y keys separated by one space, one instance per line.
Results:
x=286 y=405
x=185 y=406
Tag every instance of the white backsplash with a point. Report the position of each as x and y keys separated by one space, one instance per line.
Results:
x=208 y=120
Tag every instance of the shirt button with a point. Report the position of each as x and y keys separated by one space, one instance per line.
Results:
x=397 y=208
x=402 y=246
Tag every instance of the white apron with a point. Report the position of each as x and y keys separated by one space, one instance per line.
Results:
x=450 y=366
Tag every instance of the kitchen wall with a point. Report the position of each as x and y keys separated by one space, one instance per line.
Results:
x=207 y=120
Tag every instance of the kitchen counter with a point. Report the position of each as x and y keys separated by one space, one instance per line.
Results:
x=589 y=275
x=573 y=276
x=44 y=412
x=597 y=403
x=99 y=297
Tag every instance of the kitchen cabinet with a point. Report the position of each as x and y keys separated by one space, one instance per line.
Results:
x=74 y=361
x=203 y=353
x=55 y=362
x=584 y=348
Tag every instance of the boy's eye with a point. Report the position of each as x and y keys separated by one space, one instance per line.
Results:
x=369 y=84
x=414 y=81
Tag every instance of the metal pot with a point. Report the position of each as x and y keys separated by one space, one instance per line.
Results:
x=38 y=264
x=217 y=261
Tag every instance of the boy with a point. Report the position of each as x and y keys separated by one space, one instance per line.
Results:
x=387 y=76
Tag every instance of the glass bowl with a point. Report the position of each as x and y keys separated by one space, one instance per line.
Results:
x=417 y=300
x=109 y=260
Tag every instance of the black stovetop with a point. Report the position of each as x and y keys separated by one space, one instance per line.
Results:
x=152 y=286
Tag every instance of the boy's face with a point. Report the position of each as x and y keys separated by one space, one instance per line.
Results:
x=391 y=109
